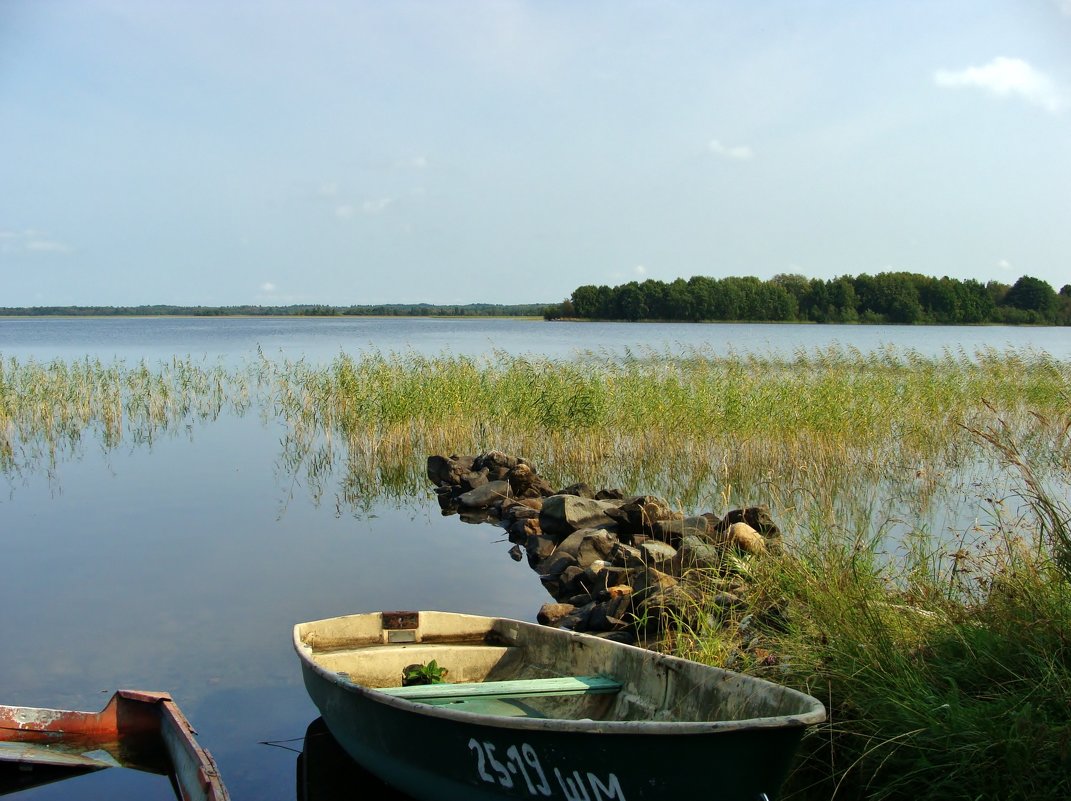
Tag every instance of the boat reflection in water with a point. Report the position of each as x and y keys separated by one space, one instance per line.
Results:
x=325 y=772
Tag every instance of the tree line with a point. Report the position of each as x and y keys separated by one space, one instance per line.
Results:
x=301 y=310
x=889 y=297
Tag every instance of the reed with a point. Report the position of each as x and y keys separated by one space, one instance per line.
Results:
x=946 y=671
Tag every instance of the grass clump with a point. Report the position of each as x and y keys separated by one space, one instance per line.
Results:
x=946 y=670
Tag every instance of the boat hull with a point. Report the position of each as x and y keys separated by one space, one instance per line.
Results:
x=432 y=752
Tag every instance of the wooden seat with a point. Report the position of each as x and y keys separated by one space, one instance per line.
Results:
x=517 y=688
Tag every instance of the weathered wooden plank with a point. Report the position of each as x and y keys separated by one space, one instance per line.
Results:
x=518 y=688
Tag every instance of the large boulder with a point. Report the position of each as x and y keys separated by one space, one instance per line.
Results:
x=588 y=546
x=696 y=553
x=482 y=497
x=658 y=554
x=553 y=614
x=447 y=471
x=564 y=514
x=496 y=463
x=674 y=531
x=526 y=483
x=758 y=517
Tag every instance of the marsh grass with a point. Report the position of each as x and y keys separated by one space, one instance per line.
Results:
x=48 y=411
x=947 y=671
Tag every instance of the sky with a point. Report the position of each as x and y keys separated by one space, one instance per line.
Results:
x=509 y=151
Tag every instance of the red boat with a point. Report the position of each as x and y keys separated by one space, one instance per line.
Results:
x=141 y=730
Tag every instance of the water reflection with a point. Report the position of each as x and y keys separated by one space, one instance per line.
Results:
x=325 y=772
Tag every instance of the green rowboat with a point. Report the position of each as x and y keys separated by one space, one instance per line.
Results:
x=533 y=712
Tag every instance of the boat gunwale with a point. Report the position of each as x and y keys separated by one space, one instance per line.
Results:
x=193 y=772
x=814 y=715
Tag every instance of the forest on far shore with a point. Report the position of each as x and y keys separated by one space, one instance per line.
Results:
x=890 y=297
x=299 y=310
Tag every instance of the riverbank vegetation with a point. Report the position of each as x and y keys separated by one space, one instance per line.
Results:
x=296 y=310
x=891 y=297
x=924 y=591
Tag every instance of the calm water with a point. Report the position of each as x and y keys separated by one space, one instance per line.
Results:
x=183 y=567
x=320 y=340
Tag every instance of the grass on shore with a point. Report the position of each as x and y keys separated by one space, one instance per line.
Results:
x=947 y=672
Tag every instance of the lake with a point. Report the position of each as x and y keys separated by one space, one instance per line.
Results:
x=183 y=565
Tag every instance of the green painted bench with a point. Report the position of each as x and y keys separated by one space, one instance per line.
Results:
x=518 y=688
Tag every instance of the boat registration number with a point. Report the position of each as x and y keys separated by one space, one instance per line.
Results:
x=521 y=767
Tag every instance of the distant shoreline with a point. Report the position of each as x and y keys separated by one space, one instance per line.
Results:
x=304 y=311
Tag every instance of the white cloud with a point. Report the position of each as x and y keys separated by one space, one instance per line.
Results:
x=640 y=270
x=47 y=246
x=376 y=206
x=267 y=286
x=347 y=211
x=1006 y=77
x=1064 y=6
x=736 y=152
x=31 y=241
x=1004 y=264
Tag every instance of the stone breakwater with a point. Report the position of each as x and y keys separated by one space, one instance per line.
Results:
x=617 y=566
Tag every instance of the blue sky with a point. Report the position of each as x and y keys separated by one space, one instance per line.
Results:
x=450 y=152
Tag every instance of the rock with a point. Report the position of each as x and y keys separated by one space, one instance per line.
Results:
x=539 y=547
x=648 y=581
x=553 y=614
x=564 y=514
x=516 y=554
x=527 y=527
x=583 y=599
x=758 y=517
x=696 y=553
x=519 y=511
x=670 y=606
x=443 y=471
x=556 y=563
x=626 y=556
x=571 y=582
x=609 y=495
x=673 y=531
x=488 y=495
x=578 y=619
x=658 y=554
x=495 y=462
x=580 y=490
x=640 y=512
x=525 y=483
x=746 y=538
x=589 y=545
x=610 y=615
x=551 y=570
x=600 y=576
x=727 y=601
x=623 y=635
x=472 y=480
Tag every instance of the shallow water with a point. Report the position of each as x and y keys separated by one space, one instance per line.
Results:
x=183 y=565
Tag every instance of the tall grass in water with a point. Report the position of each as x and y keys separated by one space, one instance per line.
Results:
x=48 y=410
x=947 y=673
x=684 y=425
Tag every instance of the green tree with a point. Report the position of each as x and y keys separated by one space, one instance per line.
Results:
x=1033 y=295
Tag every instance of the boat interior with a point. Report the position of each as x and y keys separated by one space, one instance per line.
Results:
x=525 y=663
